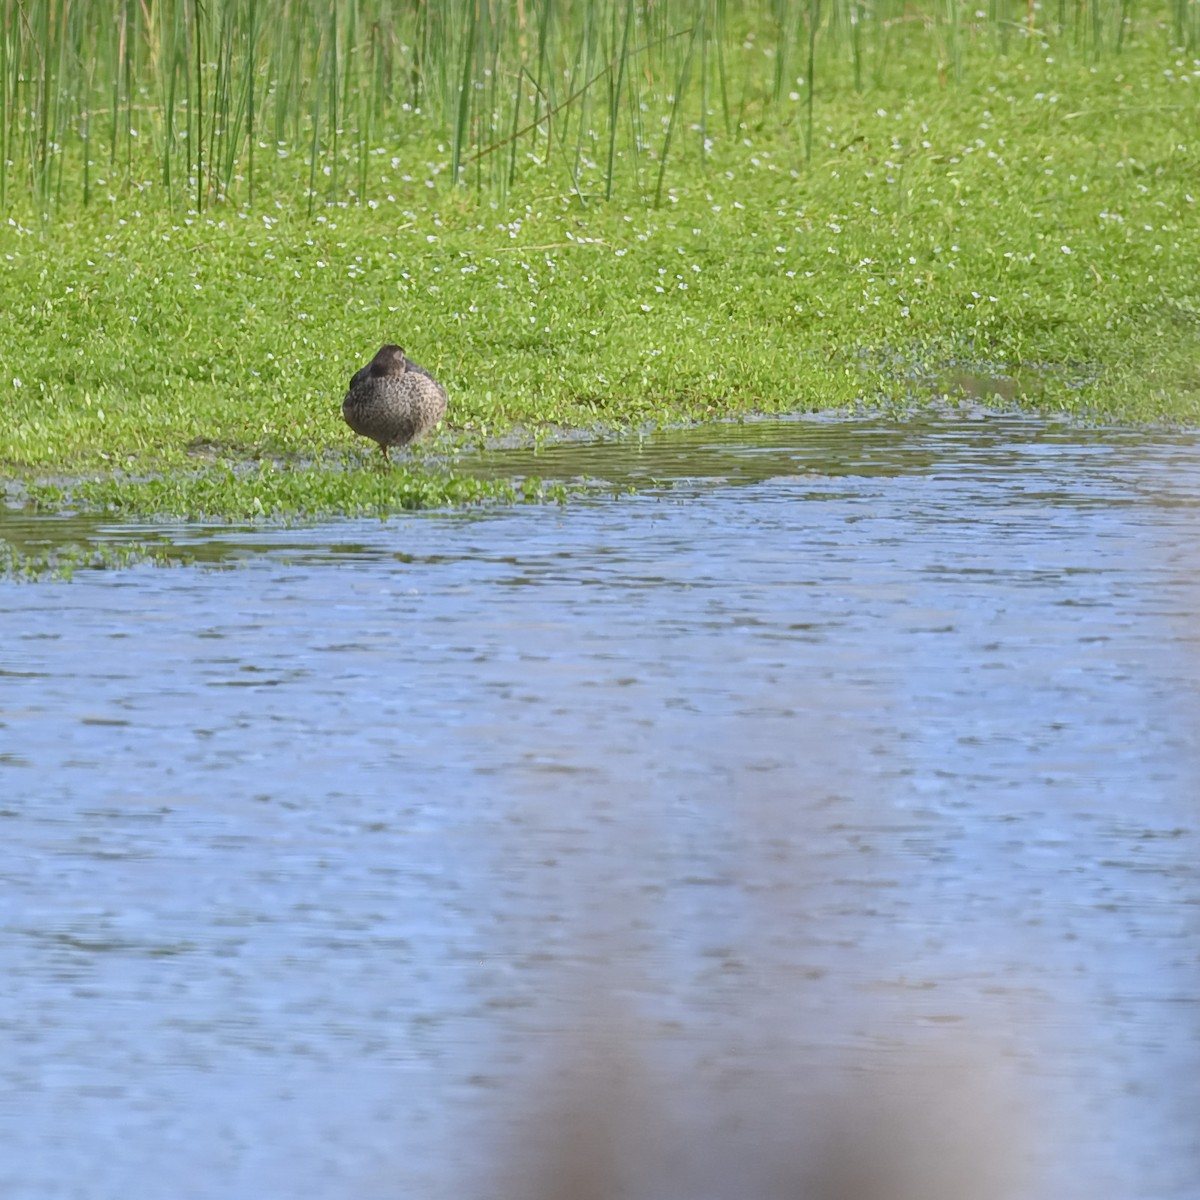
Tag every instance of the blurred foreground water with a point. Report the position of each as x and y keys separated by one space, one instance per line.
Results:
x=832 y=796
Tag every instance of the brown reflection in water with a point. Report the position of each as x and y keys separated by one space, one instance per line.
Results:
x=604 y=1126
x=799 y=1079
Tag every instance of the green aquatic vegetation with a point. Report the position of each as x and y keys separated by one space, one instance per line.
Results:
x=272 y=491
x=959 y=208
x=62 y=562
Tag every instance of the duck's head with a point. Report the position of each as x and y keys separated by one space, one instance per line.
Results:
x=389 y=360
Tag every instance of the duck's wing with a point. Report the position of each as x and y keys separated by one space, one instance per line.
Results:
x=417 y=370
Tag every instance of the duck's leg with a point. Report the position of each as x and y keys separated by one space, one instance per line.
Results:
x=383 y=450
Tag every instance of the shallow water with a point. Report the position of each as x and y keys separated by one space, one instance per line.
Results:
x=833 y=737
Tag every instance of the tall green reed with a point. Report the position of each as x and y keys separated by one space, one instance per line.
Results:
x=216 y=98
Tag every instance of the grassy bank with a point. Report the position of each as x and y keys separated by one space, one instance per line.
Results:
x=1022 y=207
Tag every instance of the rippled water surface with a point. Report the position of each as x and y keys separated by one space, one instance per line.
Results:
x=830 y=736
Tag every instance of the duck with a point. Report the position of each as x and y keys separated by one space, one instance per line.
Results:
x=392 y=400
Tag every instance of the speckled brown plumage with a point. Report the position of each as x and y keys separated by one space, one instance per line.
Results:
x=392 y=400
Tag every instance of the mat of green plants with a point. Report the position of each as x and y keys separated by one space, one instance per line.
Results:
x=579 y=216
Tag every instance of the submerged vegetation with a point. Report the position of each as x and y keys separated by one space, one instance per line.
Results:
x=62 y=562
x=576 y=213
x=267 y=490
